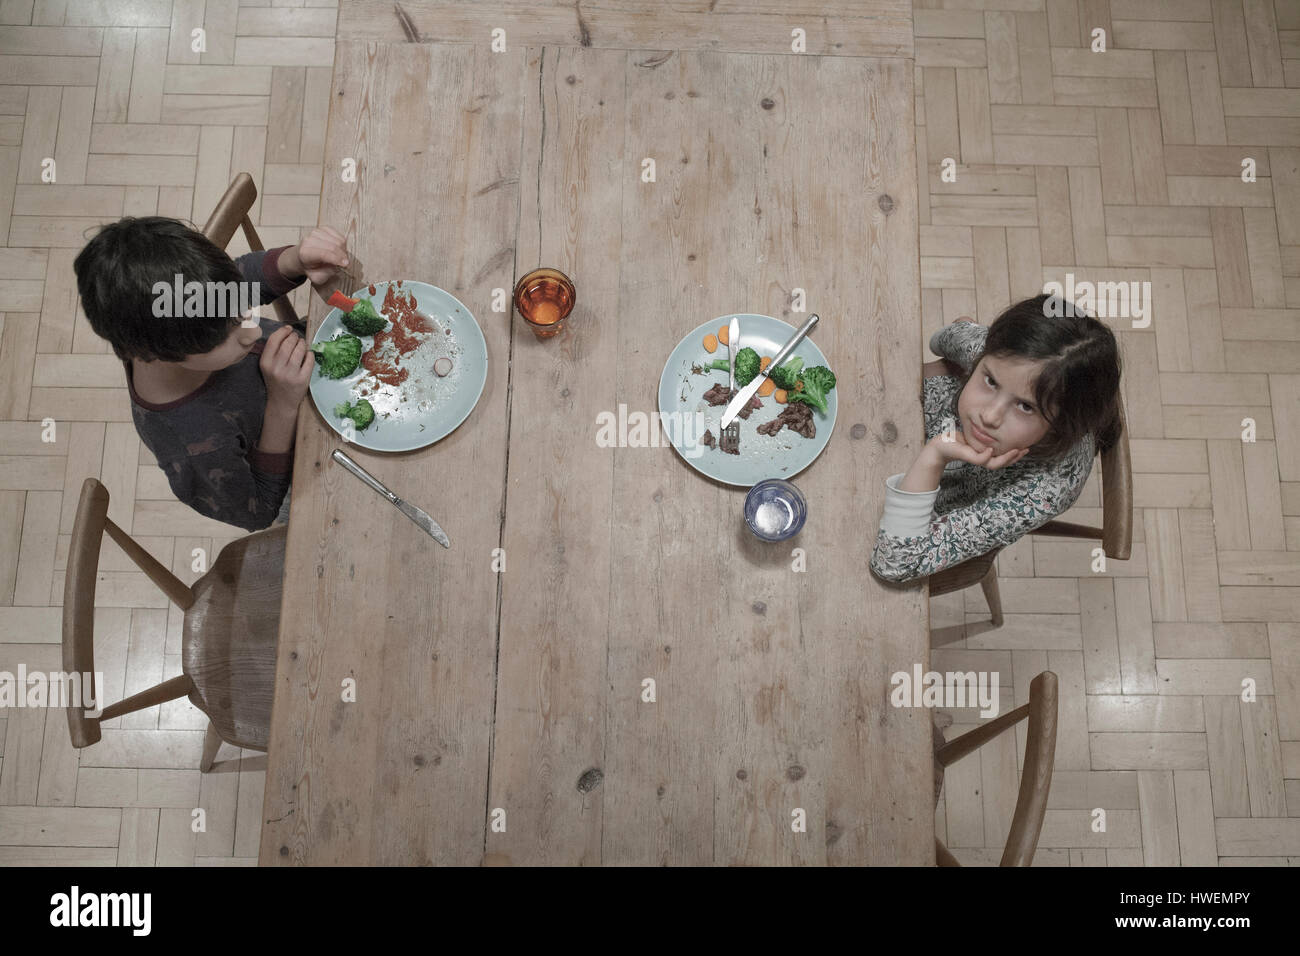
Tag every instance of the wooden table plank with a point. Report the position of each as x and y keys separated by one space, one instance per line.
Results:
x=551 y=689
x=831 y=27
x=400 y=775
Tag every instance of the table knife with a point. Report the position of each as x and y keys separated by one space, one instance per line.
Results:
x=405 y=507
x=746 y=393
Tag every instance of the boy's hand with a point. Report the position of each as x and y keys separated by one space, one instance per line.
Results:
x=286 y=367
x=319 y=256
x=952 y=446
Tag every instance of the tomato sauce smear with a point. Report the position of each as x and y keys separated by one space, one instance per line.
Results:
x=405 y=330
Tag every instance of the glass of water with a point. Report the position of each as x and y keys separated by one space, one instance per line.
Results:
x=775 y=510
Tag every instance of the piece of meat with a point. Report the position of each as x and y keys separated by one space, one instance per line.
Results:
x=801 y=419
x=796 y=416
x=718 y=395
x=709 y=440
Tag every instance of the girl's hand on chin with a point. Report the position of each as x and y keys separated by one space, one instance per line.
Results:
x=952 y=446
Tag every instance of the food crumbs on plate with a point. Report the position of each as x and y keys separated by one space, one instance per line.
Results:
x=710 y=343
x=722 y=335
x=767 y=388
x=779 y=395
x=764 y=362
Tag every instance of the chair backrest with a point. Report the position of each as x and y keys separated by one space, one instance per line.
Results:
x=1117 y=495
x=963 y=575
x=1116 y=532
x=79 y=610
x=232 y=213
x=1036 y=778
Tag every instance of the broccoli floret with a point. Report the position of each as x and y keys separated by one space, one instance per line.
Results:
x=362 y=413
x=364 y=320
x=817 y=383
x=720 y=364
x=787 y=375
x=747 y=362
x=338 y=357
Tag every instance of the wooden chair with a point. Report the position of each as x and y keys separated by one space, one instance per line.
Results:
x=232 y=213
x=981 y=570
x=1115 y=534
x=1116 y=531
x=230 y=632
x=1036 y=778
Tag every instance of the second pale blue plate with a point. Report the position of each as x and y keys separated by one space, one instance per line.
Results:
x=761 y=456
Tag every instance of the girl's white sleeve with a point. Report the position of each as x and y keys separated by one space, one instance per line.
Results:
x=911 y=545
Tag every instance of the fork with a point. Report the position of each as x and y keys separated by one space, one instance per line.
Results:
x=730 y=439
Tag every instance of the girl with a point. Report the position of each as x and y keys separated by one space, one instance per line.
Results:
x=1010 y=441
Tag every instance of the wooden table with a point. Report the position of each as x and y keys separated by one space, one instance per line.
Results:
x=517 y=696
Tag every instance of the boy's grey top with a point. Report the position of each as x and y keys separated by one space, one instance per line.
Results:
x=206 y=442
x=974 y=510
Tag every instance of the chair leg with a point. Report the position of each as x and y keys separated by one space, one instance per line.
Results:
x=211 y=744
x=989 y=584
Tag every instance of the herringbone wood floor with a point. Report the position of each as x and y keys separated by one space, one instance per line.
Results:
x=1123 y=165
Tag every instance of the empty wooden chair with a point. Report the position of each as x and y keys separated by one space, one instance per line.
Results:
x=232 y=213
x=1115 y=534
x=230 y=633
x=1035 y=779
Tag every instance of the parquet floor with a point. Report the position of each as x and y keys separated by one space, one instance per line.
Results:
x=1117 y=166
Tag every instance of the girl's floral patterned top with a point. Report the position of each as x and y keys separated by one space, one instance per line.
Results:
x=974 y=510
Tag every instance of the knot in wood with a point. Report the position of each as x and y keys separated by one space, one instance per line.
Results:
x=590 y=780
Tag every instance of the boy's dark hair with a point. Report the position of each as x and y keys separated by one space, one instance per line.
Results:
x=1077 y=390
x=116 y=273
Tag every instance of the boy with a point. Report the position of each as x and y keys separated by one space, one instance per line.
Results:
x=214 y=388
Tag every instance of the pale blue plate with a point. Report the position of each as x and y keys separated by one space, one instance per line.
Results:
x=681 y=394
x=424 y=408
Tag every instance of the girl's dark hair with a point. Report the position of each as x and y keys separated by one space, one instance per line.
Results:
x=116 y=273
x=1077 y=390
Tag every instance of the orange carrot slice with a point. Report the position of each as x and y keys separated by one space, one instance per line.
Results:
x=764 y=362
x=710 y=343
x=767 y=388
x=780 y=396
x=723 y=332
